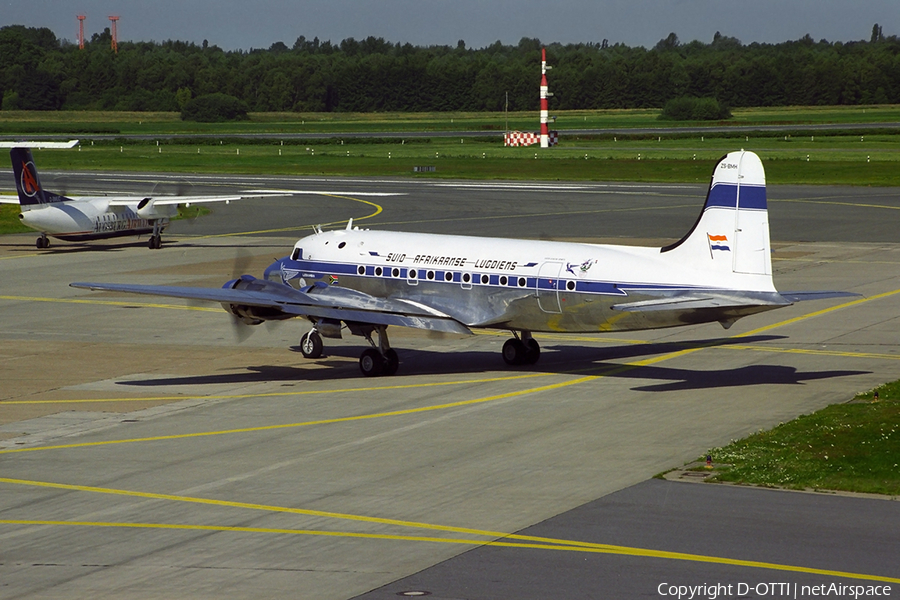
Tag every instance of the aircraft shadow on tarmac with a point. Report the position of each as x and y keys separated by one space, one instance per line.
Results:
x=57 y=247
x=579 y=360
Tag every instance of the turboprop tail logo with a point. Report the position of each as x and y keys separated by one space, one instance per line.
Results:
x=29 y=182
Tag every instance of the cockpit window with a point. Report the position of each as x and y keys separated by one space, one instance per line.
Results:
x=297 y=254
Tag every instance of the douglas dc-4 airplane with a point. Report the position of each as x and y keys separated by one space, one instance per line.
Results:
x=720 y=271
x=80 y=219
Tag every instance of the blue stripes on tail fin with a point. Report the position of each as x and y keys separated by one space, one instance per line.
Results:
x=731 y=236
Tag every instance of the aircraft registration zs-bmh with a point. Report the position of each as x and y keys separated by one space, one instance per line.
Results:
x=86 y=218
x=720 y=271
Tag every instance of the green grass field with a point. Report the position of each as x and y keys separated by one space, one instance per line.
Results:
x=852 y=447
x=23 y=122
x=835 y=160
x=866 y=158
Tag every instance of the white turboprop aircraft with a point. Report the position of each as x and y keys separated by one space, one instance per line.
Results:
x=720 y=271
x=84 y=218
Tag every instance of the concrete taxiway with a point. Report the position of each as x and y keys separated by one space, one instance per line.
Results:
x=145 y=452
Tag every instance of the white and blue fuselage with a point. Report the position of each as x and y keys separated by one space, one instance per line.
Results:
x=509 y=284
x=91 y=219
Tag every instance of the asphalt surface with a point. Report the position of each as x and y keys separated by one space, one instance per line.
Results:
x=145 y=453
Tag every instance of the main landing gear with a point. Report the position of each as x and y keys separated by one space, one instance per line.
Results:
x=380 y=359
x=521 y=350
x=155 y=242
x=42 y=242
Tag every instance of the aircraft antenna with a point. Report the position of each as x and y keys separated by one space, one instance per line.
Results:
x=81 y=19
x=115 y=38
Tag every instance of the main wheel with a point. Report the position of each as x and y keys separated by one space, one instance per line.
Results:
x=311 y=344
x=513 y=352
x=370 y=363
x=155 y=242
x=391 y=362
x=532 y=351
x=42 y=242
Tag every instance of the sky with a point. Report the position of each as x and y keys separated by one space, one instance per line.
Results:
x=246 y=24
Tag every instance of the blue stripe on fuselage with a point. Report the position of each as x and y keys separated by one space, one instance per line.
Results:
x=319 y=270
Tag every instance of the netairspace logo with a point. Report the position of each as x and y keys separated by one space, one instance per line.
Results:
x=713 y=591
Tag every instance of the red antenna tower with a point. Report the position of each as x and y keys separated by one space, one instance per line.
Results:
x=81 y=19
x=112 y=30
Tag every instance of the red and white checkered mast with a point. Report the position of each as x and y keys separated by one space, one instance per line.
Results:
x=545 y=114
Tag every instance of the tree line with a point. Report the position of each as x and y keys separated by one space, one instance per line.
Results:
x=38 y=71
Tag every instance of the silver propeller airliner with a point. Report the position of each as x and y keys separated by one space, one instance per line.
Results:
x=368 y=280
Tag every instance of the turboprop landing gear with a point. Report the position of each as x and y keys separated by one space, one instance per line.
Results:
x=42 y=242
x=521 y=350
x=380 y=359
x=155 y=242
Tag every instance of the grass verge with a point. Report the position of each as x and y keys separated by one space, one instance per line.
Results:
x=826 y=160
x=853 y=447
x=9 y=220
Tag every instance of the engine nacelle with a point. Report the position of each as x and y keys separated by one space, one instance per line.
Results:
x=147 y=209
x=244 y=313
x=253 y=315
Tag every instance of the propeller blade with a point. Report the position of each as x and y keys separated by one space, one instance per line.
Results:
x=240 y=330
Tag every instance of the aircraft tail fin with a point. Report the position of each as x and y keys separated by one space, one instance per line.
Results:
x=28 y=183
x=731 y=236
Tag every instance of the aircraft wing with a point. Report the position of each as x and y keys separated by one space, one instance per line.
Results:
x=321 y=302
x=39 y=144
x=188 y=200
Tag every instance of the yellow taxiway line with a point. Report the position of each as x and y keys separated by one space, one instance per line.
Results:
x=522 y=541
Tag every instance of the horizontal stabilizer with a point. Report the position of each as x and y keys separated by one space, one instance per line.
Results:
x=696 y=302
x=817 y=295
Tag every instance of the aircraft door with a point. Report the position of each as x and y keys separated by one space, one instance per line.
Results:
x=547 y=287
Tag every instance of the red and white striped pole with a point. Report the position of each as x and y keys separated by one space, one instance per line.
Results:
x=545 y=114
